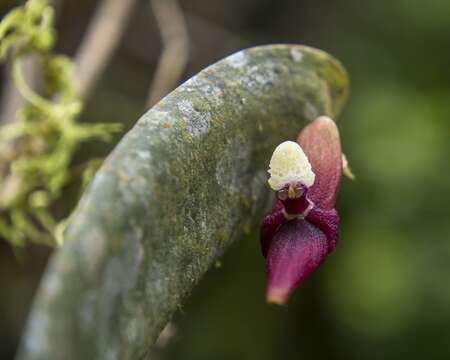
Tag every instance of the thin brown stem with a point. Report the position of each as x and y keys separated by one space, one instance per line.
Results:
x=101 y=40
x=175 y=54
x=12 y=100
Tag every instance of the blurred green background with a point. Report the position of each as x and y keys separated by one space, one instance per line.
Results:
x=385 y=293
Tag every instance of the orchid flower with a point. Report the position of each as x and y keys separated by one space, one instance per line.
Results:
x=303 y=227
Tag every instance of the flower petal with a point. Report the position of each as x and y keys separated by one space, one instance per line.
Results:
x=328 y=222
x=289 y=164
x=296 y=250
x=321 y=144
x=269 y=227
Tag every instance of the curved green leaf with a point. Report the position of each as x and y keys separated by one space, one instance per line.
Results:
x=176 y=191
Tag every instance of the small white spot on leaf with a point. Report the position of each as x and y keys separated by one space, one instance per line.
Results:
x=197 y=122
x=297 y=55
x=237 y=60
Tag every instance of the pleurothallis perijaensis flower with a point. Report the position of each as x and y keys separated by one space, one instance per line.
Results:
x=303 y=227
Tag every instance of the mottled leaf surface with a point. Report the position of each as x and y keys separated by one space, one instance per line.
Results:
x=175 y=192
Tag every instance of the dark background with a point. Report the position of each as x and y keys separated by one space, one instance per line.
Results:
x=385 y=293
